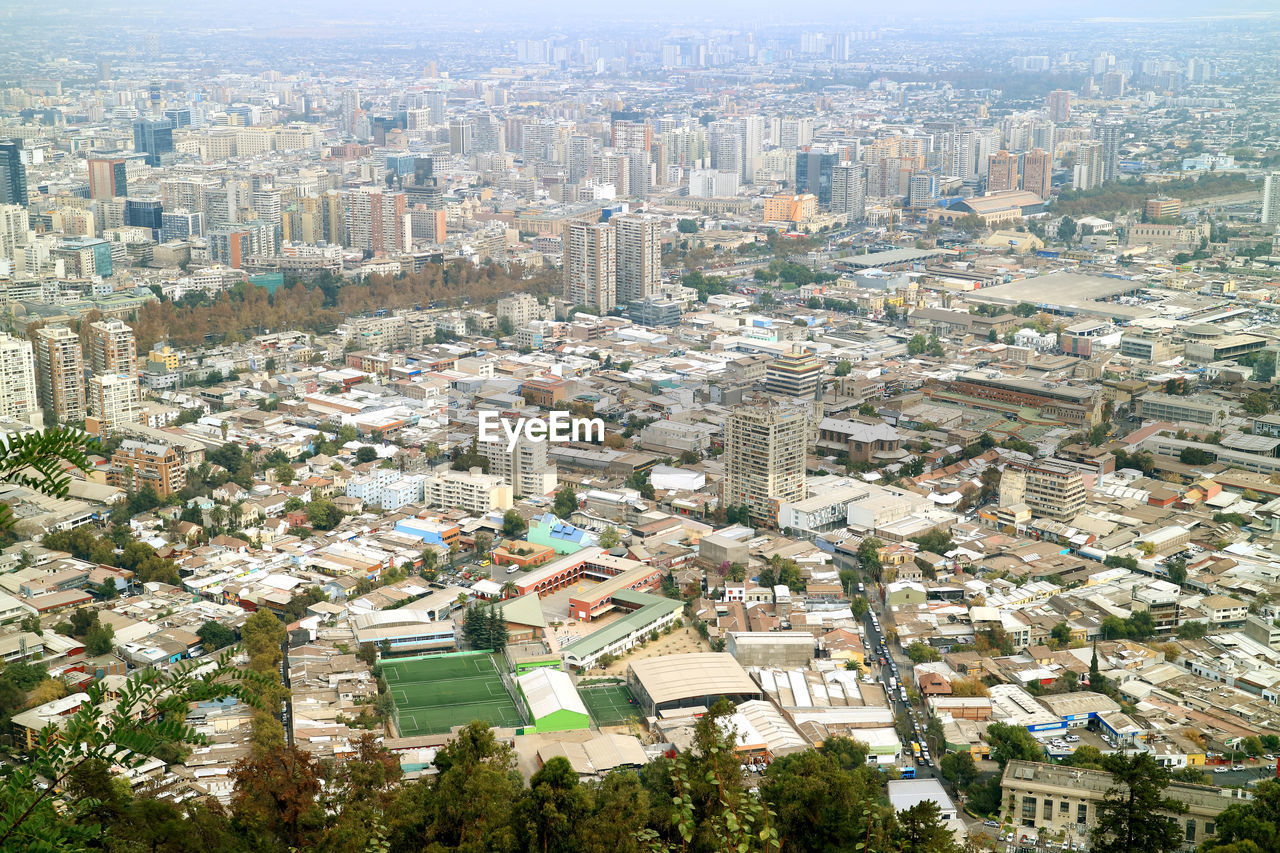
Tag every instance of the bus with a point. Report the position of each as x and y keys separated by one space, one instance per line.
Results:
x=915 y=750
x=907 y=772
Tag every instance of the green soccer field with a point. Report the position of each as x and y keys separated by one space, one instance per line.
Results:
x=433 y=695
x=611 y=705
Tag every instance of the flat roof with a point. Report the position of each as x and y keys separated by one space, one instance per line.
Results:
x=905 y=793
x=676 y=677
x=1068 y=293
x=892 y=256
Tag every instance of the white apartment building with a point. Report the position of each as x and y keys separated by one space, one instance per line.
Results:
x=17 y=379
x=114 y=399
x=473 y=491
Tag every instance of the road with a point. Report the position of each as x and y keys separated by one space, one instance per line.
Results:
x=879 y=648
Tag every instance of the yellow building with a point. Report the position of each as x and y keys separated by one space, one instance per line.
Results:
x=796 y=209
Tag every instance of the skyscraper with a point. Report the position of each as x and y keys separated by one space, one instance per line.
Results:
x=376 y=221
x=461 y=135
x=815 y=171
x=639 y=265
x=107 y=178
x=1088 y=168
x=1037 y=172
x=1059 y=106
x=153 y=137
x=18 y=397
x=13 y=174
x=1002 y=172
x=1111 y=134
x=764 y=458
x=849 y=190
x=112 y=348
x=1271 y=199
x=590 y=265
x=60 y=371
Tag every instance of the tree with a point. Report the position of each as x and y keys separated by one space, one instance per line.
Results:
x=215 y=636
x=483 y=543
x=1061 y=634
x=869 y=555
x=277 y=796
x=513 y=524
x=283 y=474
x=1256 y=403
x=686 y=226
x=958 y=769
x=1009 y=743
x=1192 y=630
x=821 y=802
x=1067 y=230
x=366 y=454
x=921 y=830
x=917 y=345
x=145 y=714
x=609 y=537
x=1134 y=814
x=41 y=461
x=1249 y=822
x=920 y=652
x=98 y=639
x=566 y=503
x=843 y=367
x=323 y=514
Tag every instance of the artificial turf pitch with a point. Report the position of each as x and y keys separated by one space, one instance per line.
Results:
x=434 y=694
x=610 y=705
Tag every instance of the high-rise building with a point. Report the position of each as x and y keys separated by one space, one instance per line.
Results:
x=13 y=174
x=461 y=136
x=524 y=465
x=1110 y=134
x=1059 y=106
x=153 y=137
x=1089 y=165
x=1271 y=199
x=1050 y=489
x=137 y=464
x=230 y=246
x=107 y=178
x=18 y=397
x=114 y=400
x=181 y=224
x=922 y=190
x=764 y=452
x=639 y=264
x=849 y=190
x=112 y=348
x=631 y=135
x=15 y=230
x=376 y=221
x=60 y=371
x=1002 y=172
x=815 y=173
x=590 y=265
x=1037 y=172
x=795 y=374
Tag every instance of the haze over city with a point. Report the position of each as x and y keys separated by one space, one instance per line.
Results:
x=572 y=426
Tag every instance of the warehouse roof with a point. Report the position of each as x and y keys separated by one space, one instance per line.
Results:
x=550 y=690
x=676 y=677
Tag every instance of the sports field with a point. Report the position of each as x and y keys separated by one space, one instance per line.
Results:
x=609 y=705
x=434 y=694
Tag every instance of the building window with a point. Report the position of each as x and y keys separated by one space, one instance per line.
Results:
x=1064 y=808
x=1191 y=829
x=1208 y=827
x=1029 y=808
x=1082 y=813
x=1048 y=809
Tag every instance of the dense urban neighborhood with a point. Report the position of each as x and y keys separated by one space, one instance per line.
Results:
x=492 y=433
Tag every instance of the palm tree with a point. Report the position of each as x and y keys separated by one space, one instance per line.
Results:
x=218 y=515
x=509 y=589
x=461 y=599
x=237 y=513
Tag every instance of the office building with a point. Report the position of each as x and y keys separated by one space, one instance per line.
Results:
x=15 y=231
x=849 y=190
x=181 y=225
x=815 y=173
x=590 y=265
x=107 y=178
x=922 y=190
x=60 y=374
x=376 y=221
x=112 y=348
x=1059 y=106
x=114 y=399
x=795 y=374
x=523 y=466
x=1050 y=489
x=1002 y=172
x=230 y=246
x=639 y=263
x=1065 y=802
x=138 y=464
x=1162 y=206
x=1271 y=199
x=1089 y=166
x=13 y=174
x=461 y=136
x=1037 y=172
x=144 y=213
x=18 y=396
x=765 y=458
x=153 y=137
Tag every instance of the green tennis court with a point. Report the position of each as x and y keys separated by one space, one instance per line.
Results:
x=610 y=705
x=433 y=695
